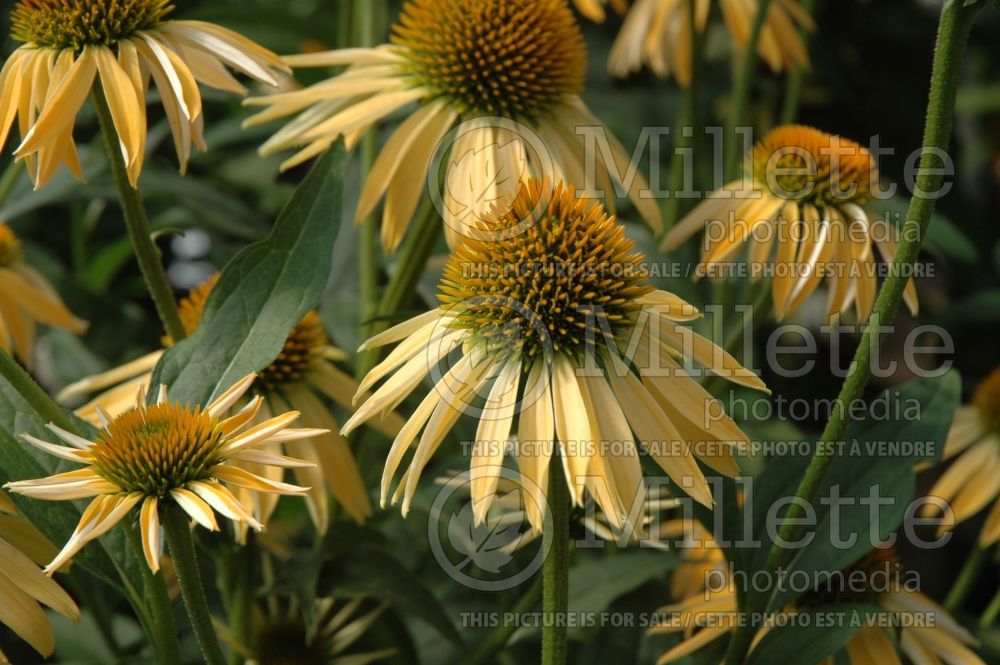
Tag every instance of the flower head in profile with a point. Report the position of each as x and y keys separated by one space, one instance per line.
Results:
x=658 y=33
x=166 y=453
x=594 y=9
x=114 y=48
x=500 y=73
x=972 y=482
x=547 y=317
x=282 y=633
x=800 y=212
x=27 y=299
x=301 y=378
x=24 y=588
x=877 y=579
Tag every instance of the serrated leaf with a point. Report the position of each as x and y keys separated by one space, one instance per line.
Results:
x=262 y=293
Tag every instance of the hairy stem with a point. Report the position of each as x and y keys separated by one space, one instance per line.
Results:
x=956 y=21
x=741 y=91
x=32 y=393
x=181 y=544
x=134 y=211
x=555 y=572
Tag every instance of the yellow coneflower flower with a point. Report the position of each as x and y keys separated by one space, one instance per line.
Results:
x=23 y=587
x=594 y=9
x=802 y=199
x=536 y=313
x=299 y=379
x=973 y=480
x=27 y=298
x=698 y=549
x=166 y=452
x=490 y=63
x=936 y=637
x=70 y=46
x=282 y=636
x=658 y=33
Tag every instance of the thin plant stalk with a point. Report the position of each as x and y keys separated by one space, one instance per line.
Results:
x=181 y=544
x=793 y=84
x=134 y=212
x=741 y=91
x=956 y=21
x=555 y=572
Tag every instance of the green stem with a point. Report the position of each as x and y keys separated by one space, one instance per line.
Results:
x=369 y=14
x=793 y=85
x=741 y=91
x=398 y=294
x=490 y=648
x=760 y=309
x=153 y=607
x=687 y=116
x=956 y=21
x=137 y=222
x=991 y=613
x=966 y=578
x=32 y=393
x=555 y=572
x=8 y=179
x=98 y=610
x=175 y=525
x=235 y=575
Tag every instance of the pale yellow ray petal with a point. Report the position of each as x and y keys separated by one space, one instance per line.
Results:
x=572 y=425
x=226 y=400
x=124 y=104
x=132 y=369
x=31 y=581
x=149 y=524
x=242 y=478
x=536 y=437
x=339 y=468
x=393 y=155
x=405 y=191
x=403 y=330
x=63 y=104
x=24 y=616
x=495 y=423
x=197 y=509
x=659 y=435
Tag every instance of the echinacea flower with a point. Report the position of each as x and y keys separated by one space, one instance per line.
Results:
x=532 y=316
x=803 y=202
x=594 y=9
x=972 y=481
x=71 y=47
x=27 y=298
x=166 y=453
x=300 y=379
x=283 y=632
x=24 y=588
x=498 y=70
x=931 y=636
x=658 y=33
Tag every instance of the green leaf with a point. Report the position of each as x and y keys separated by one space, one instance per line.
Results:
x=919 y=413
x=369 y=571
x=944 y=239
x=262 y=294
x=814 y=636
x=107 y=558
x=596 y=582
